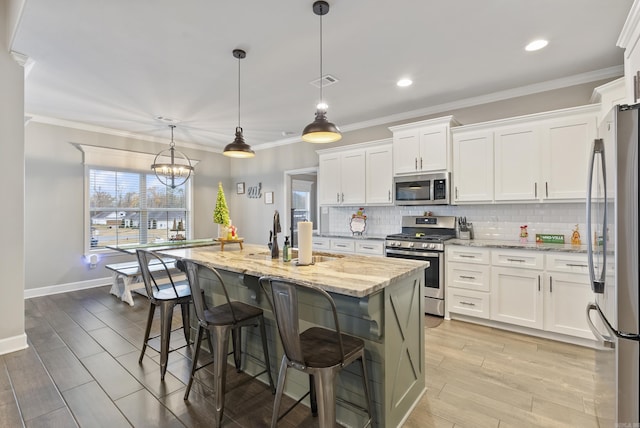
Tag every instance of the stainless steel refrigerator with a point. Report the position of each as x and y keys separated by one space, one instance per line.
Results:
x=612 y=231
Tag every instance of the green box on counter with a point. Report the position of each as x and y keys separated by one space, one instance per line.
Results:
x=545 y=238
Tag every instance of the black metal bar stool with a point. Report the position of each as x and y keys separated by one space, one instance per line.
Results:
x=317 y=351
x=218 y=322
x=166 y=297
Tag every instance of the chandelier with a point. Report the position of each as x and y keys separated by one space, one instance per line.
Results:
x=177 y=171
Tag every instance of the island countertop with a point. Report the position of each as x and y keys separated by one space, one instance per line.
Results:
x=351 y=275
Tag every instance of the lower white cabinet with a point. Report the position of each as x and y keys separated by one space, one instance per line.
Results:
x=542 y=291
x=516 y=296
x=567 y=293
x=468 y=281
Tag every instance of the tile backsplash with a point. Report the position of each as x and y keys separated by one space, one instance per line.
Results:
x=496 y=222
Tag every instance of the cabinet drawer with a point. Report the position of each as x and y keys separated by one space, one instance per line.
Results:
x=468 y=302
x=343 y=245
x=518 y=259
x=370 y=247
x=567 y=262
x=321 y=244
x=468 y=255
x=469 y=276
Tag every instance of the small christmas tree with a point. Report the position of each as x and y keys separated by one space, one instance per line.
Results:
x=221 y=212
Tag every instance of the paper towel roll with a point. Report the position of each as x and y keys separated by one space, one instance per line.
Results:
x=305 y=241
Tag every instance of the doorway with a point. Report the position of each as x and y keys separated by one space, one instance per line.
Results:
x=301 y=202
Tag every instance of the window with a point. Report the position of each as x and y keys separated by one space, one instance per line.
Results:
x=128 y=207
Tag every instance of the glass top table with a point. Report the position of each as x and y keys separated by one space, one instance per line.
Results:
x=164 y=245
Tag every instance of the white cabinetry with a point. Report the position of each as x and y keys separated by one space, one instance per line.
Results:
x=534 y=158
x=609 y=95
x=547 y=292
x=516 y=290
x=350 y=176
x=422 y=146
x=517 y=163
x=473 y=166
x=468 y=281
x=379 y=175
x=567 y=293
x=340 y=179
x=368 y=247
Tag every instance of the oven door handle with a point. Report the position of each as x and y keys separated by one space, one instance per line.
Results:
x=420 y=254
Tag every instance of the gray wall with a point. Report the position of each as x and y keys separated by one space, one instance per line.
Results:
x=54 y=213
x=12 y=179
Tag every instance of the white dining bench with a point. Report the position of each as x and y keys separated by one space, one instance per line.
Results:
x=127 y=277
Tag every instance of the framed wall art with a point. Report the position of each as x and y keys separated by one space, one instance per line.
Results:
x=268 y=197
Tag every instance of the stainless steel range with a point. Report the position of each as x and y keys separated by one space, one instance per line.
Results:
x=423 y=238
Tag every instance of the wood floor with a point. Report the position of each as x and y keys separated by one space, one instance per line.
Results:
x=81 y=369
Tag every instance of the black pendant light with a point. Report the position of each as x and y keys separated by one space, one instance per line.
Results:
x=238 y=148
x=321 y=130
x=177 y=171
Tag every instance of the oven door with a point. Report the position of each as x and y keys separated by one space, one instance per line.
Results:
x=433 y=275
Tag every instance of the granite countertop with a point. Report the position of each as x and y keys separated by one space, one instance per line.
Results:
x=352 y=275
x=517 y=245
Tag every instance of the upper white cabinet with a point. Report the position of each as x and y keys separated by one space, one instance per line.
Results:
x=535 y=158
x=565 y=156
x=341 y=178
x=357 y=175
x=423 y=146
x=379 y=175
x=517 y=163
x=473 y=166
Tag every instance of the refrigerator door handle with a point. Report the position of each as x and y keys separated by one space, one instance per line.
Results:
x=612 y=331
x=597 y=284
x=607 y=341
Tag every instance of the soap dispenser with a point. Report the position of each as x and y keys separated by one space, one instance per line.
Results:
x=285 y=250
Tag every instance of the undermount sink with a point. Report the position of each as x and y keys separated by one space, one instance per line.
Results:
x=316 y=258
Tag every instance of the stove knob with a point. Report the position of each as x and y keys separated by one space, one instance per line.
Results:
x=411 y=244
x=425 y=245
x=432 y=246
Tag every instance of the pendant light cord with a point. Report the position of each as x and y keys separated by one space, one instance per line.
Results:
x=239 y=92
x=321 y=83
x=172 y=144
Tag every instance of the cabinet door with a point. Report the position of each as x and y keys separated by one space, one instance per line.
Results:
x=566 y=297
x=406 y=149
x=516 y=296
x=329 y=179
x=565 y=157
x=473 y=167
x=517 y=161
x=379 y=175
x=433 y=154
x=352 y=174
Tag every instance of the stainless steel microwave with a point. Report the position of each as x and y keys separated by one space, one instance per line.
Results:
x=424 y=189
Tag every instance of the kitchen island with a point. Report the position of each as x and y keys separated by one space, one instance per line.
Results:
x=379 y=300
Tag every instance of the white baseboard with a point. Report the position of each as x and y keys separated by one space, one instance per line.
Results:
x=12 y=344
x=64 y=288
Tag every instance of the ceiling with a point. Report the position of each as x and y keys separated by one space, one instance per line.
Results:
x=119 y=64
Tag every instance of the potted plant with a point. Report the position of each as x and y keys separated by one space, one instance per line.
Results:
x=221 y=213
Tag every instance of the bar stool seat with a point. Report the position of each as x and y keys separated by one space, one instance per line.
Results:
x=218 y=322
x=166 y=296
x=320 y=352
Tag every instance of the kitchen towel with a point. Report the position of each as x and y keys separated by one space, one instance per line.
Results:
x=305 y=242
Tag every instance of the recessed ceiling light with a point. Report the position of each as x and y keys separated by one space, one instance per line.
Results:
x=536 y=45
x=404 y=82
